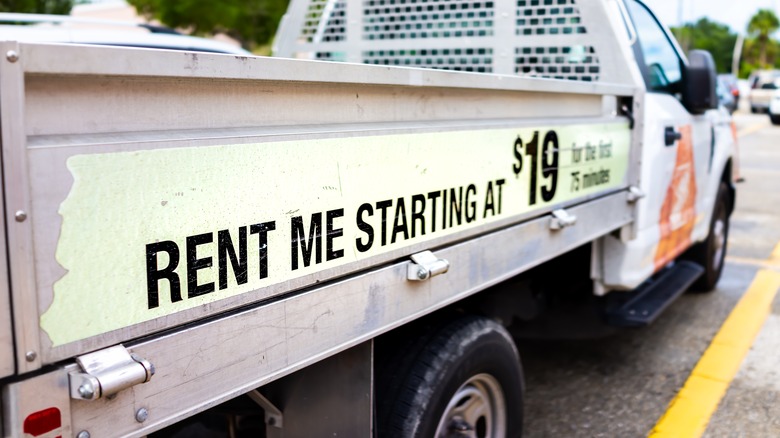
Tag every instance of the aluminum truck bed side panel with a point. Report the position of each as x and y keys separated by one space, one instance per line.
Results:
x=157 y=200
x=7 y=362
x=220 y=359
x=19 y=234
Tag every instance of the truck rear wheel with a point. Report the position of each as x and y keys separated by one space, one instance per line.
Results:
x=464 y=380
x=712 y=252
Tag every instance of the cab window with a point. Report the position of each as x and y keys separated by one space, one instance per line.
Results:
x=663 y=71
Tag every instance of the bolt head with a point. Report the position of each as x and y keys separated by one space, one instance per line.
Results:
x=11 y=56
x=83 y=434
x=86 y=390
x=20 y=216
x=141 y=415
x=422 y=273
x=30 y=356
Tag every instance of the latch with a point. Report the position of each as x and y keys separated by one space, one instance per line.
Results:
x=426 y=265
x=106 y=372
x=562 y=219
x=635 y=194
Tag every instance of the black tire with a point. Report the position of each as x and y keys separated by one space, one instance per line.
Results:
x=775 y=119
x=470 y=362
x=711 y=253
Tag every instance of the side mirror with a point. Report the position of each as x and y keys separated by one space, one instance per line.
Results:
x=700 y=79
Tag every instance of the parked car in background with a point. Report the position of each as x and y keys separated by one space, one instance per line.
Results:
x=731 y=85
x=774 y=108
x=726 y=95
x=762 y=86
x=40 y=28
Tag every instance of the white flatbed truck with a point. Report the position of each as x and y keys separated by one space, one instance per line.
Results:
x=346 y=247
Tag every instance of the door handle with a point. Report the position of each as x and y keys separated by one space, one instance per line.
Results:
x=671 y=136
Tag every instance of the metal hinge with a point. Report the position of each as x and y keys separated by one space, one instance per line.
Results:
x=561 y=219
x=106 y=372
x=635 y=194
x=426 y=265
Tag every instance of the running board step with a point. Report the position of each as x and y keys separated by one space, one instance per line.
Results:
x=650 y=299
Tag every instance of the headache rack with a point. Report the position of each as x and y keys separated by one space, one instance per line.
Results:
x=557 y=39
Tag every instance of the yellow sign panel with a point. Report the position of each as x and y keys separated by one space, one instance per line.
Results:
x=149 y=233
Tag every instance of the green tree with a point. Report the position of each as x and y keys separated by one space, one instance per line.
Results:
x=252 y=22
x=708 y=35
x=60 y=7
x=761 y=26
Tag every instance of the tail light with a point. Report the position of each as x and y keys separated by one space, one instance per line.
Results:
x=41 y=422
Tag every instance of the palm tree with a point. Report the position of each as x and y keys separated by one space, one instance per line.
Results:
x=761 y=25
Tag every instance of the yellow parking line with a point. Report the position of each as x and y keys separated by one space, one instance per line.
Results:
x=690 y=411
x=751 y=129
x=766 y=264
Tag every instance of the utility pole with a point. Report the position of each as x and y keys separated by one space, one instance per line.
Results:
x=680 y=13
x=737 y=55
x=682 y=38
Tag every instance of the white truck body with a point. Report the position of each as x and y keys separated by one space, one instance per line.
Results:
x=233 y=220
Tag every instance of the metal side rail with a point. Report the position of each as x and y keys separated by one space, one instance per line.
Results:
x=650 y=299
x=226 y=357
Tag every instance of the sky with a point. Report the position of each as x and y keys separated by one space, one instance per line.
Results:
x=735 y=13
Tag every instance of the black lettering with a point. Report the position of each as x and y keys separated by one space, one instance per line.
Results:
x=518 y=150
x=533 y=152
x=418 y=214
x=444 y=209
x=590 y=152
x=262 y=244
x=384 y=205
x=332 y=233
x=194 y=264
x=307 y=246
x=576 y=153
x=595 y=178
x=489 y=201
x=456 y=206
x=471 y=206
x=226 y=250
x=432 y=196
x=399 y=223
x=365 y=227
x=500 y=185
x=154 y=275
x=605 y=150
x=550 y=165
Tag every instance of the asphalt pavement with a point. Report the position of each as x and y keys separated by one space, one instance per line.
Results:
x=622 y=385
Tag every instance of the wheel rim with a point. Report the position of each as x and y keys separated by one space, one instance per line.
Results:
x=718 y=241
x=476 y=410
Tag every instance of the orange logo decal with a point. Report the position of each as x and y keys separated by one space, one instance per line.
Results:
x=735 y=175
x=678 y=212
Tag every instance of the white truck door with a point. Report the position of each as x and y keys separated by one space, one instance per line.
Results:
x=675 y=156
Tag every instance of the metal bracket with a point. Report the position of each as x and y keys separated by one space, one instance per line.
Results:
x=635 y=194
x=426 y=265
x=108 y=371
x=562 y=219
x=629 y=115
x=273 y=416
